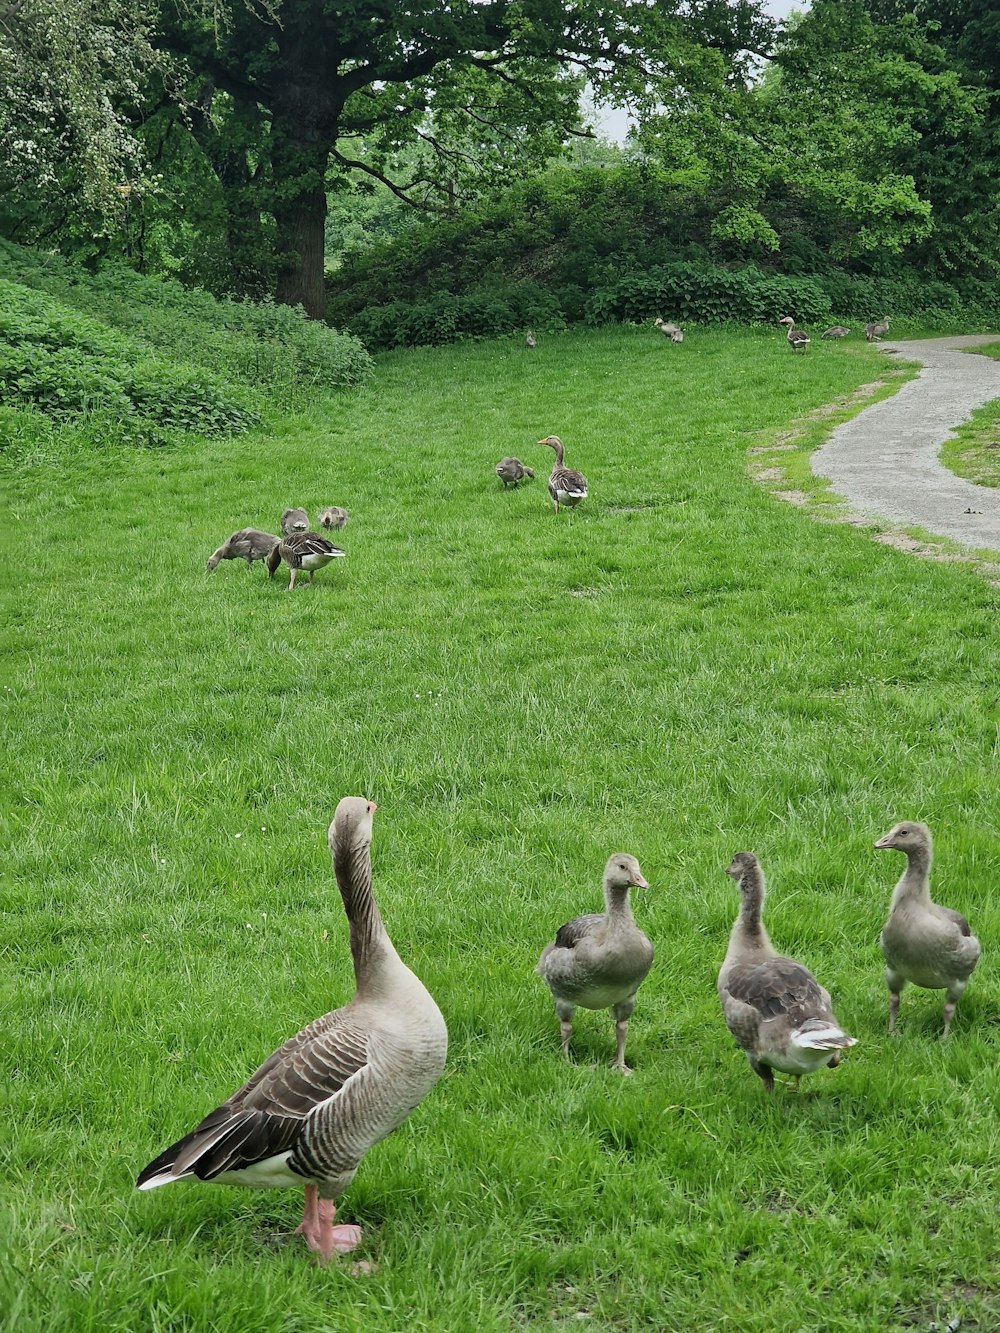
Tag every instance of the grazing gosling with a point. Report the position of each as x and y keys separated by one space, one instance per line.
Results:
x=929 y=945
x=512 y=471
x=248 y=544
x=294 y=520
x=332 y=517
x=774 y=1007
x=599 y=961
x=838 y=331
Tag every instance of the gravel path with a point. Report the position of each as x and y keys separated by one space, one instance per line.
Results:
x=885 y=460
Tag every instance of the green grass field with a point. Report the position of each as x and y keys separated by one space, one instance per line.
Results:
x=683 y=668
x=974 y=453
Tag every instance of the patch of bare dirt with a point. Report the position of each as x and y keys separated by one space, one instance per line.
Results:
x=769 y=473
x=792 y=497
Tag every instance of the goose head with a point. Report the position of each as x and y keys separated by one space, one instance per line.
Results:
x=352 y=824
x=907 y=836
x=742 y=864
x=554 y=442
x=787 y=319
x=622 y=872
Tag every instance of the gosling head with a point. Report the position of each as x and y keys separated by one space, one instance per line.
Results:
x=352 y=824
x=907 y=837
x=622 y=872
x=742 y=864
x=213 y=560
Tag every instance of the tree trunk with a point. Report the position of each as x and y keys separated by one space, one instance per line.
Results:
x=299 y=156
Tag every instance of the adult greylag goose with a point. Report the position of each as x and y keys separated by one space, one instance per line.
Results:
x=530 y=340
x=248 y=544
x=798 y=340
x=874 y=332
x=774 y=1007
x=672 y=331
x=838 y=331
x=303 y=550
x=599 y=961
x=294 y=520
x=565 y=486
x=314 y=1108
x=332 y=517
x=931 y=946
x=512 y=471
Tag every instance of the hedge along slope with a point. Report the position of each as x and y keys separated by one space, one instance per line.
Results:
x=602 y=245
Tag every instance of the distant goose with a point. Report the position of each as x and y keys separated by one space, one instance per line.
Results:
x=599 y=961
x=838 y=331
x=512 y=471
x=294 y=520
x=931 y=946
x=314 y=1108
x=874 y=332
x=798 y=339
x=773 y=1006
x=303 y=550
x=530 y=340
x=565 y=486
x=672 y=331
x=332 y=517
x=248 y=544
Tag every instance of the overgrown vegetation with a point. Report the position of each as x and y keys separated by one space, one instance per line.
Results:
x=137 y=359
x=682 y=668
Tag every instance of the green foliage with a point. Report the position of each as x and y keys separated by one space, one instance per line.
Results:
x=708 y=295
x=256 y=344
x=488 y=312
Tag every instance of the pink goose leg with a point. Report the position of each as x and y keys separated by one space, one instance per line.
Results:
x=322 y=1237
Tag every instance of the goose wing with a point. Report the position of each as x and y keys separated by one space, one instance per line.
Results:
x=568 y=936
x=778 y=988
x=569 y=481
x=264 y=1118
x=301 y=544
x=957 y=918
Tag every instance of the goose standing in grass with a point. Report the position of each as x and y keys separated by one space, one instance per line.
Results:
x=332 y=517
x=512 y=471
x=303 y=550
x=672 y=331
x=798 y=340
x=838 y=331
x=530 y=340
x=774 y=1007
x=874 y=332
x=248 y=544
x=565 y=486
x=929 y=945
x=314 y=1108
x=599 y=961
x=294 y=520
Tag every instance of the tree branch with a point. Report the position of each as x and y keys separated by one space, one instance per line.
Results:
x=398 y=190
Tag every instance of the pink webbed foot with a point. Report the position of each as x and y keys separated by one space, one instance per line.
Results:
x=322 y=1237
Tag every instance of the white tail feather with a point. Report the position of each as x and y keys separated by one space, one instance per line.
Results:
x=823 y=1039
x=164 y=1178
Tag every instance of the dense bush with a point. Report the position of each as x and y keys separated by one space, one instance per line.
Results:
x=599 y=244
x=264 y=345
x=67 y=365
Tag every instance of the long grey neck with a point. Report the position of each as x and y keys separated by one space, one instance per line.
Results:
x=914 y=886
x=617 y=904
x=559 y=451
x=748 y=934
x=371 y=948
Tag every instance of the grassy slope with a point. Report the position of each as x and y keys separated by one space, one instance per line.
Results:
x=683 y=668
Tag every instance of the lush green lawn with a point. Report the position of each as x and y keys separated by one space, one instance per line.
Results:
x=683 y=668
x=974 y=453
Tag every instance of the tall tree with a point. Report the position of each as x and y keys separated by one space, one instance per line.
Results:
x=396 y=75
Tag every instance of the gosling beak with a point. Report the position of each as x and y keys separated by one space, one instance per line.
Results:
x=884 y=842
x=372 y=807
x=640 y=883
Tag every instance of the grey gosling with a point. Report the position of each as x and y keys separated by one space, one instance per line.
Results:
x=303 y=550
x=874 y=332
x=672 y=331
x=530 y=340
x=314 y=1108
x=929 y=945
x=332 y=517
x=565 y=486
x=248 y=544
x=774 y=1007
x=798 y=340
x=512 y=471
x=599 y=961
x=294 y=520
x=838 y=331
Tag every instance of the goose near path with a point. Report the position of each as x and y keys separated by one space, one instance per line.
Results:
x=512 y=471
x=332 y=517
x=565 y=486
x=874 y=332
x=798 y=340
x=294 y=520
x=929 y=945
x=838 y=331
x=599 y=961
x=774 y=1007
x=314 y=1108
x=303 y=550
x=248 y=544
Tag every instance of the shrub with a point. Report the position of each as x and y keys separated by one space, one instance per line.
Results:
x=444 y=318
x=707 y=295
